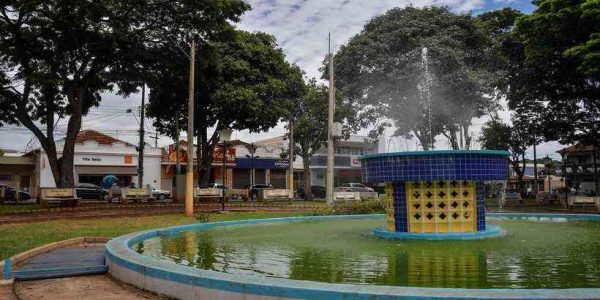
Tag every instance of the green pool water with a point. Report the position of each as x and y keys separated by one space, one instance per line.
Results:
x=534 y=254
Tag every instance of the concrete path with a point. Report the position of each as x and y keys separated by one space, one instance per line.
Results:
x=6 y=292
x=93 y=287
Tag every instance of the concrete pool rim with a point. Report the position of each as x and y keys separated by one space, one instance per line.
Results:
x=490 y=231
x=149 y=273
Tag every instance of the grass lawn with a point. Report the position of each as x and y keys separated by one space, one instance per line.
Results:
x=16 y=238
x=7 y=208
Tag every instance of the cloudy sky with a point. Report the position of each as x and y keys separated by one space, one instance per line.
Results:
x=301 y=28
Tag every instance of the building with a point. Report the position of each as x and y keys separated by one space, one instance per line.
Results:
x=580 y=168
x=242 y=159
x=98 y=155
x=18 y=170
x=346 y=162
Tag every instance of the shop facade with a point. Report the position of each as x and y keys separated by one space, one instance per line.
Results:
x=239 y=166
x=98 y=155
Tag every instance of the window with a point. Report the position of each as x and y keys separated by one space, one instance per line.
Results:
x=5 y=177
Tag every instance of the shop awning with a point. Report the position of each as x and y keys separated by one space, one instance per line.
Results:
x=106 y=170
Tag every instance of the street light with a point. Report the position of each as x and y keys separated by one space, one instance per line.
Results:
x=252 y=157
x=224 y=136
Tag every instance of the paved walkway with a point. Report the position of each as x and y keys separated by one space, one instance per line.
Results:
x=94 y=287
x=6 y=293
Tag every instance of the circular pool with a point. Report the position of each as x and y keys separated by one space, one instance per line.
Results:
x=542 y=256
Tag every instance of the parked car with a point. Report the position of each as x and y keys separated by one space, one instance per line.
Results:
x=10 y=193
x=354 y=187
x=160 y=194
x=316 y=190
x=91 y=191
x=258 y=187
x=215 y=185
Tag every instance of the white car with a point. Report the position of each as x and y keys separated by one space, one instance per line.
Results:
x=160 y=194
x=354 y=187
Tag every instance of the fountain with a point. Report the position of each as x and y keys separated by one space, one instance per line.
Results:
x=434 y=202
x=425 y=90
x=435 y=194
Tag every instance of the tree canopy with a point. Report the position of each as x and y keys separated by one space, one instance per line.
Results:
x=243 y=83
x=553 y=78
x=496 y=135
x=56 y=57
x=310 y=124
x=381 y=71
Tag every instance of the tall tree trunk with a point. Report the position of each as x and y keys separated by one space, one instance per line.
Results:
x=453 y=139
x=306 y=178
x=465 y=129
x=423 y=139
x=205 y=153
x=461 y=136
x=67 y=178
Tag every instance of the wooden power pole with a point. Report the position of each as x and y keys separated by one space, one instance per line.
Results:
x=329 y=189
x=142 y=143
x=189 y=171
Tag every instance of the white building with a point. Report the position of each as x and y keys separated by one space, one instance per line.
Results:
x=346 y=162
x=98 y=155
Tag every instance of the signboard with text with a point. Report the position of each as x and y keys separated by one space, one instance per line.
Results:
x=229 y=157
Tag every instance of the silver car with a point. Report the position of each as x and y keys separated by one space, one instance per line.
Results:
x=354 y=187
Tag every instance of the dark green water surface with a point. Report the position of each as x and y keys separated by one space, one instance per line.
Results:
x=535 y=254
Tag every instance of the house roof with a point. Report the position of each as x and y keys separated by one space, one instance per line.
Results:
x=100 y=138
x=576 y=148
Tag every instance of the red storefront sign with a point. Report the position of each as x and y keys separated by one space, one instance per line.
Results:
x=173 y=155
x=229 y=157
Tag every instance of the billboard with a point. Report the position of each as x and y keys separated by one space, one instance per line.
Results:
x=173 y=156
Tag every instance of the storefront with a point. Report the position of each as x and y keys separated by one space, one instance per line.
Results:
x=238 y=168
x=98 y=155
x=266 y=171
x=18 y=171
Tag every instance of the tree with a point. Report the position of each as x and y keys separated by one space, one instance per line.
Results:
x=496 y=135
x=62 y=54
x=553 y=69
x=382 y=71
x=310 y=125
x=553 y=77
x=243 y=82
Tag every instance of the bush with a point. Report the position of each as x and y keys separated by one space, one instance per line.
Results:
x=352 y=208
x=203 y=217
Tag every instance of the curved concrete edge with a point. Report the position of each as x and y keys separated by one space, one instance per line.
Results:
x=173 y=280
x=18 y=259
x=491 y=231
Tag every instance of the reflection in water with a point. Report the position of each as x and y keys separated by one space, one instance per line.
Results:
x=534 y=255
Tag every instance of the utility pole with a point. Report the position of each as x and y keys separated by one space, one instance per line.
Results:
x=329 y=190
x=177 y=159
x=291 y=167
x=224 y=169
x=535 y=170
x=142 y=143
x=189 y=171
x=155 y=138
